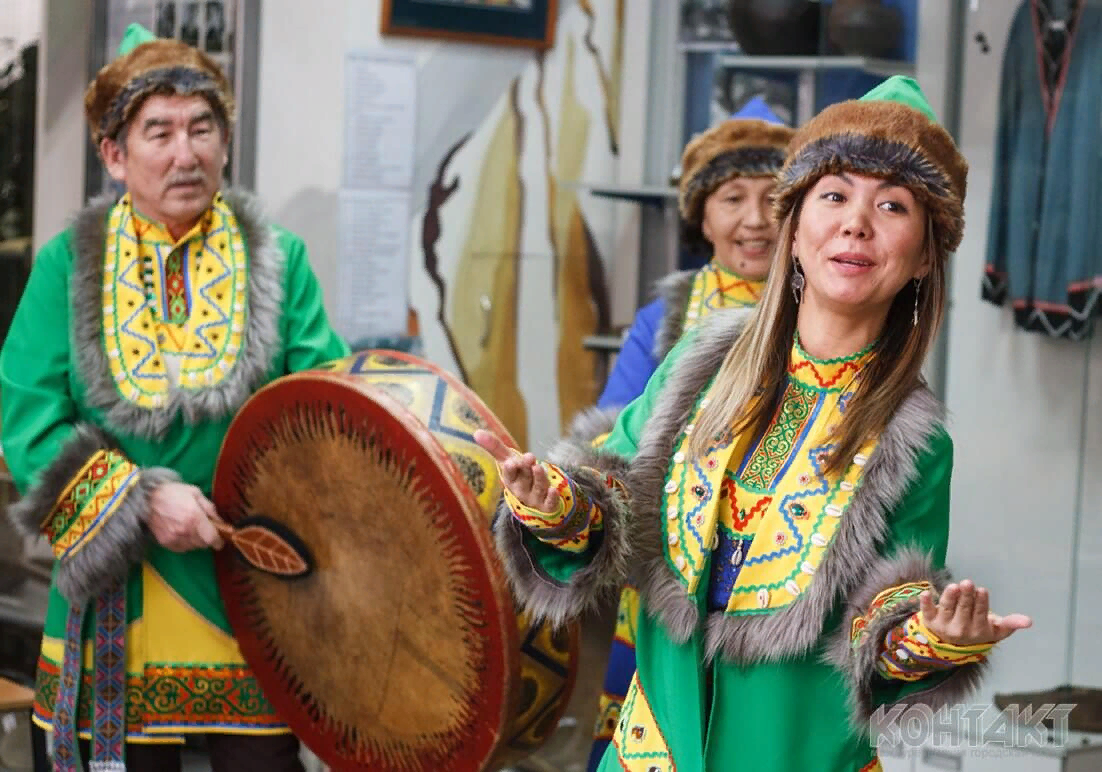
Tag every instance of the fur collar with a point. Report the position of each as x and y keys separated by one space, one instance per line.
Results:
x=261 y=342
x=794 y=630
x=674 y=291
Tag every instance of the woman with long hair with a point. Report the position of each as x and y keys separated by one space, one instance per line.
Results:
x=780 y=491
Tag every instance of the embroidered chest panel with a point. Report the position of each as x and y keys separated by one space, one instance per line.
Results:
x=755 y=515
x=185 y=300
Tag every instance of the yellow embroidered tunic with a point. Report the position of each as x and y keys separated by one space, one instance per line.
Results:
x=176 y=314
x=774 y=480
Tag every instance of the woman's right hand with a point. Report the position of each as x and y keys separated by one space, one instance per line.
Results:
x=522 y=474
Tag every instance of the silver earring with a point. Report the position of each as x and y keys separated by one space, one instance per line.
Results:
x=797 y=280
x=918 y=287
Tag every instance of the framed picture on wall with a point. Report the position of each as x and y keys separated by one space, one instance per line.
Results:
x=529 y=23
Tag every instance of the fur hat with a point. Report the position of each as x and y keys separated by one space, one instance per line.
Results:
x=145 y=66
x=892 y=133
x=738 y=147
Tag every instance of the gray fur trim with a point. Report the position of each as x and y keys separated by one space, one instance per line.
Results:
x=793 y=630
x=859 y=666
x=29 y=514
x=261 y=339
x=174 y=80
x=121 y=542
x=586 y=426
x=889 y=471
x=600 y=581
x=863 y=153
x=674 y=291
x=665 y=597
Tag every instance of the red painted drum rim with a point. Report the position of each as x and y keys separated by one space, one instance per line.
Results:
x=485 y=576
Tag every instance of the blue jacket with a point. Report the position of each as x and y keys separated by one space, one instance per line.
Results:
x=636 y=360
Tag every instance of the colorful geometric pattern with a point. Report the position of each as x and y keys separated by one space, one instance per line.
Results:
x=67 y=695
x=771 y=456
x=912 y=651
x=175 y=286
x=872 y=766
x=166 y=698
x=639 y=742
x=89 y=501
x=568 y=527
x=884 y=603
x=450 y=413
x=547 y=677
x=109 y=709
x=196 y=313
x=715 y=287
x=777 y=511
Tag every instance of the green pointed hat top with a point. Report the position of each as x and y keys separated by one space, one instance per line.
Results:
x=134 y=36
x=892 y=133
x=904 y=91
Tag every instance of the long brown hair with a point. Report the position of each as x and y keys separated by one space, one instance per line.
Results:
x=757 y=363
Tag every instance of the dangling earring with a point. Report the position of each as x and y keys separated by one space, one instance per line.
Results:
x=797 y=280
x=918 y=288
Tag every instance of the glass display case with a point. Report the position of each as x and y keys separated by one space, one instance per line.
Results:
x=797 y=55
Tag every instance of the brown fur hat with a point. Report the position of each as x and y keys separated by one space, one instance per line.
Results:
x=738 y=147
x=889 y=133
x=160 y=66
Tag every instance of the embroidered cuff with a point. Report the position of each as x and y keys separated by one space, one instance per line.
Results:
x=569 y=526
x=558 y=585
x=912 y=651
x=872 y=612
x=89 y=501
x=92 y=503
x=883 y=605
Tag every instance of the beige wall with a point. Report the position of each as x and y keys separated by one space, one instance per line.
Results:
x=460 y=88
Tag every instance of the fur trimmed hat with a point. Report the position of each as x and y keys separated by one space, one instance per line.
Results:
x=148 y=65
x=892 y=133
x=738 y=147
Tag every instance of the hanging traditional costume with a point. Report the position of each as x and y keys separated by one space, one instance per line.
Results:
x=1044 y=238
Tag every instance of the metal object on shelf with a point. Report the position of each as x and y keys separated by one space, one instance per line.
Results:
x=865 y=27
x=775 y=26
x=655 y=195
x=882 y=67
x=603 y=343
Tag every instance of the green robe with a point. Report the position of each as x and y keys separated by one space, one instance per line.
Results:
x=776 y=705
x=50 y=386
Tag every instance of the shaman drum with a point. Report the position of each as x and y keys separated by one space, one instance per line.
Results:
x=401 y=648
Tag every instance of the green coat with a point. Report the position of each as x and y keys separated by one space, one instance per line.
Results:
x=791 y=691
x=60 y=405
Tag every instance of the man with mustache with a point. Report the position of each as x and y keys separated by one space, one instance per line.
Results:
x=143 y=328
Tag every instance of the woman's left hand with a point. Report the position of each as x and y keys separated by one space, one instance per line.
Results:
x=962 y=616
